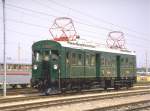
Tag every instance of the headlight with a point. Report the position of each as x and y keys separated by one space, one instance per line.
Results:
x=34 y=67
x=55 y=66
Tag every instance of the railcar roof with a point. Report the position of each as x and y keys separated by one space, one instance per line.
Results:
x=84 y=45
x=94 y=47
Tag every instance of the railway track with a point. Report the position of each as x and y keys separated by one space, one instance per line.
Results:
x=20 y=91
x=31 y=90
x=70 y=100
x=142 y=84
x=134 y=106
x=31 y=96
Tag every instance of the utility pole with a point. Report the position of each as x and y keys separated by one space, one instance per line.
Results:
x=146 y=63
x=4 y=84
x=19 y=49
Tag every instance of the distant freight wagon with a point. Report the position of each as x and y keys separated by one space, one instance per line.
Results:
x=69 y=65
x=143 y=78
x=17 y=74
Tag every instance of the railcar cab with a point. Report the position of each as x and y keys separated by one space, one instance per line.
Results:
x=46 y=65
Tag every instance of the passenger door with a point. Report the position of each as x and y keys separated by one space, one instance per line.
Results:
x=55 y=65
x=118 y=66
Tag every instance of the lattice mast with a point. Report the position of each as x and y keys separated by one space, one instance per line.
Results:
x=63 y=29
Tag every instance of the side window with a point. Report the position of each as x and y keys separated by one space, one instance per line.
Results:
x=113 y=61
x=1 y=66
x=15 y=66
x=133 y=61
x=106 y=60
x=7 y=66
x=102 y=60
x=127 y=60
x=46 y=56
x=122 y=61
x=37 y=56
x=20 y=67
x=92 y=60
x=109 y=60
x=80 y=59
x=67 y=57
x=87 y=61
x=73 y=58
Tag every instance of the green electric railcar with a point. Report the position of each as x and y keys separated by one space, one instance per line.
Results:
x=69 y=65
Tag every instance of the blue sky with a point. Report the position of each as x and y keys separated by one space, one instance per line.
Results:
x=28 y=21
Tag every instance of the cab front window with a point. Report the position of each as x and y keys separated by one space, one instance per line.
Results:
x=46 y=55
x=54 y=55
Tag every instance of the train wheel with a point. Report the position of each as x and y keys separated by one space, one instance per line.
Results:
x=23 y=85
x=129 y=86
x=116 y=87
x=14 y=86
x=105 y=88
x=48 y=91
x=63 y=90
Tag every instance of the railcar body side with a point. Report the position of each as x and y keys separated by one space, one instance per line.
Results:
x=60 y=66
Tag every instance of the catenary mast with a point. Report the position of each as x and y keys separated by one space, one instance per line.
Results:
x=4 y=84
